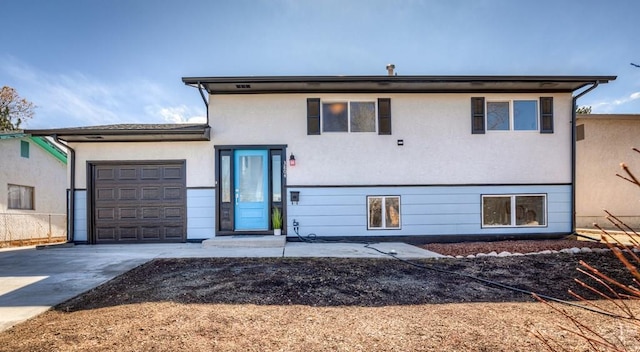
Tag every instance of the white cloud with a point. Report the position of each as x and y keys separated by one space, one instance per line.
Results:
x=76 y=99
x=610 y=106
x=178 y=114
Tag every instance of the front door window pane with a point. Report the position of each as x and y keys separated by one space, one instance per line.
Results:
x=251 y=179
x=276 y=175
x=225 y=165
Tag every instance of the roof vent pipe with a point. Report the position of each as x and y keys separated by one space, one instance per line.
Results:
x=390 y=68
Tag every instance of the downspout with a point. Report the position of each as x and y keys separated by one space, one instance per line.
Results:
x=71 y=211
x=206 y=103
x=574 y=106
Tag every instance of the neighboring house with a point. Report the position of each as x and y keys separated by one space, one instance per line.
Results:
x=603 y=142
x=34 y=176
x=401 y=157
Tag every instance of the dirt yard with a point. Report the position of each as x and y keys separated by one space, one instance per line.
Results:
x=323 y=305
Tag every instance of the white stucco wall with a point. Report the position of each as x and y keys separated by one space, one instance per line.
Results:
x=436 y=129
x=42 y=171
x=607 y=143
x=47 y=175
x=199 y=158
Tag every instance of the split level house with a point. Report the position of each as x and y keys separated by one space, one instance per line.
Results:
x=367 y=157
x=33 y=177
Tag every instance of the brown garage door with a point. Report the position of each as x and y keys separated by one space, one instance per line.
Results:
x=139 y=202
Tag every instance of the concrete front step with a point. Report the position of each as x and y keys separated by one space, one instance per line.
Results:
x=245 y=241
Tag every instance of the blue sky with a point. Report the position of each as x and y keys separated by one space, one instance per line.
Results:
x=93 y=62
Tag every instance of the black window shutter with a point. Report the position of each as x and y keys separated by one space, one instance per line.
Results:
x=313 y=116
x=384 y=116
x=477 y=115
x=546 y=114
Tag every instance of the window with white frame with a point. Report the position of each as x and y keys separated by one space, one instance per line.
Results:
x=513 y=115
x=350 y=116
x=383 y=212
x=526 y=210
x=20 y=197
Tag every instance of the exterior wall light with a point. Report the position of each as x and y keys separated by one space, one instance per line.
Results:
x=292 y=160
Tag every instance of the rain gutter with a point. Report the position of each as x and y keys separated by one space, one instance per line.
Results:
x=574 y=106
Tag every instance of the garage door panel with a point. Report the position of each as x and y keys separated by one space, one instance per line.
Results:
x=144 y=203
x=128 y=233
x=127 y=173
x=106 y=233
x=128 y=193
x=103 y=174
x=151 y=232
x=103 y=194
x=173 y=173
x=151 y=173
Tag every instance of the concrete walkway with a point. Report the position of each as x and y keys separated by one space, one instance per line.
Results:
x=32 y=280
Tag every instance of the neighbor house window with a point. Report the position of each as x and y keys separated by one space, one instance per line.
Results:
x=354 y=116
x=24 y=149
x=384 y=212
x=516 y=115
x=20 y=197
x=514 y=210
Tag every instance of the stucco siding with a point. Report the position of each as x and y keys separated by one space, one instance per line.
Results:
x=42 y=171
x=425 y=210
x=435 y=128
x=608 y=141
x=198 y=155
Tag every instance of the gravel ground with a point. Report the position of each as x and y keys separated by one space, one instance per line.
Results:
x=324 y=304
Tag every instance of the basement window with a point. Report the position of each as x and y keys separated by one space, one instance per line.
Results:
x=383 y=212
x=527 y=210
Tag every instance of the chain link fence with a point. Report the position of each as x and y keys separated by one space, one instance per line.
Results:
x=32 y=229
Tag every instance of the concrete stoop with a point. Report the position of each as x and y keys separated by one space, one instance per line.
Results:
x=246 y=241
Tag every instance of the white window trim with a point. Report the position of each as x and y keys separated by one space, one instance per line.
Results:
x=513 y=212
x=332 y=101
x=511 y=116
x=384 y=213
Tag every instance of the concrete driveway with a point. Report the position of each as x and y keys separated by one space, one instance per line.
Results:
x=33 y=280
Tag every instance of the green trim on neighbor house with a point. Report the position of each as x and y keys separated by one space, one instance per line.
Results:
x=44 y=143
x=50 y=148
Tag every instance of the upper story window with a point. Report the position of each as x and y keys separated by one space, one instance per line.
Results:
x=20 y=197
x=511 y=115
x=348 y=116
x=353 y=116
x=516 y=115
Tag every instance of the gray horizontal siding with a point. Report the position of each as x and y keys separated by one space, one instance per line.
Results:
x=80 y=222
x=201 y=213
x=425 y=210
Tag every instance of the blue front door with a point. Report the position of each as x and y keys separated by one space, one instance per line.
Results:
x=251 y=190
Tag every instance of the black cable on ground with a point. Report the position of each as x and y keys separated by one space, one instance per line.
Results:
x=587 y=237
x=313 y=238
